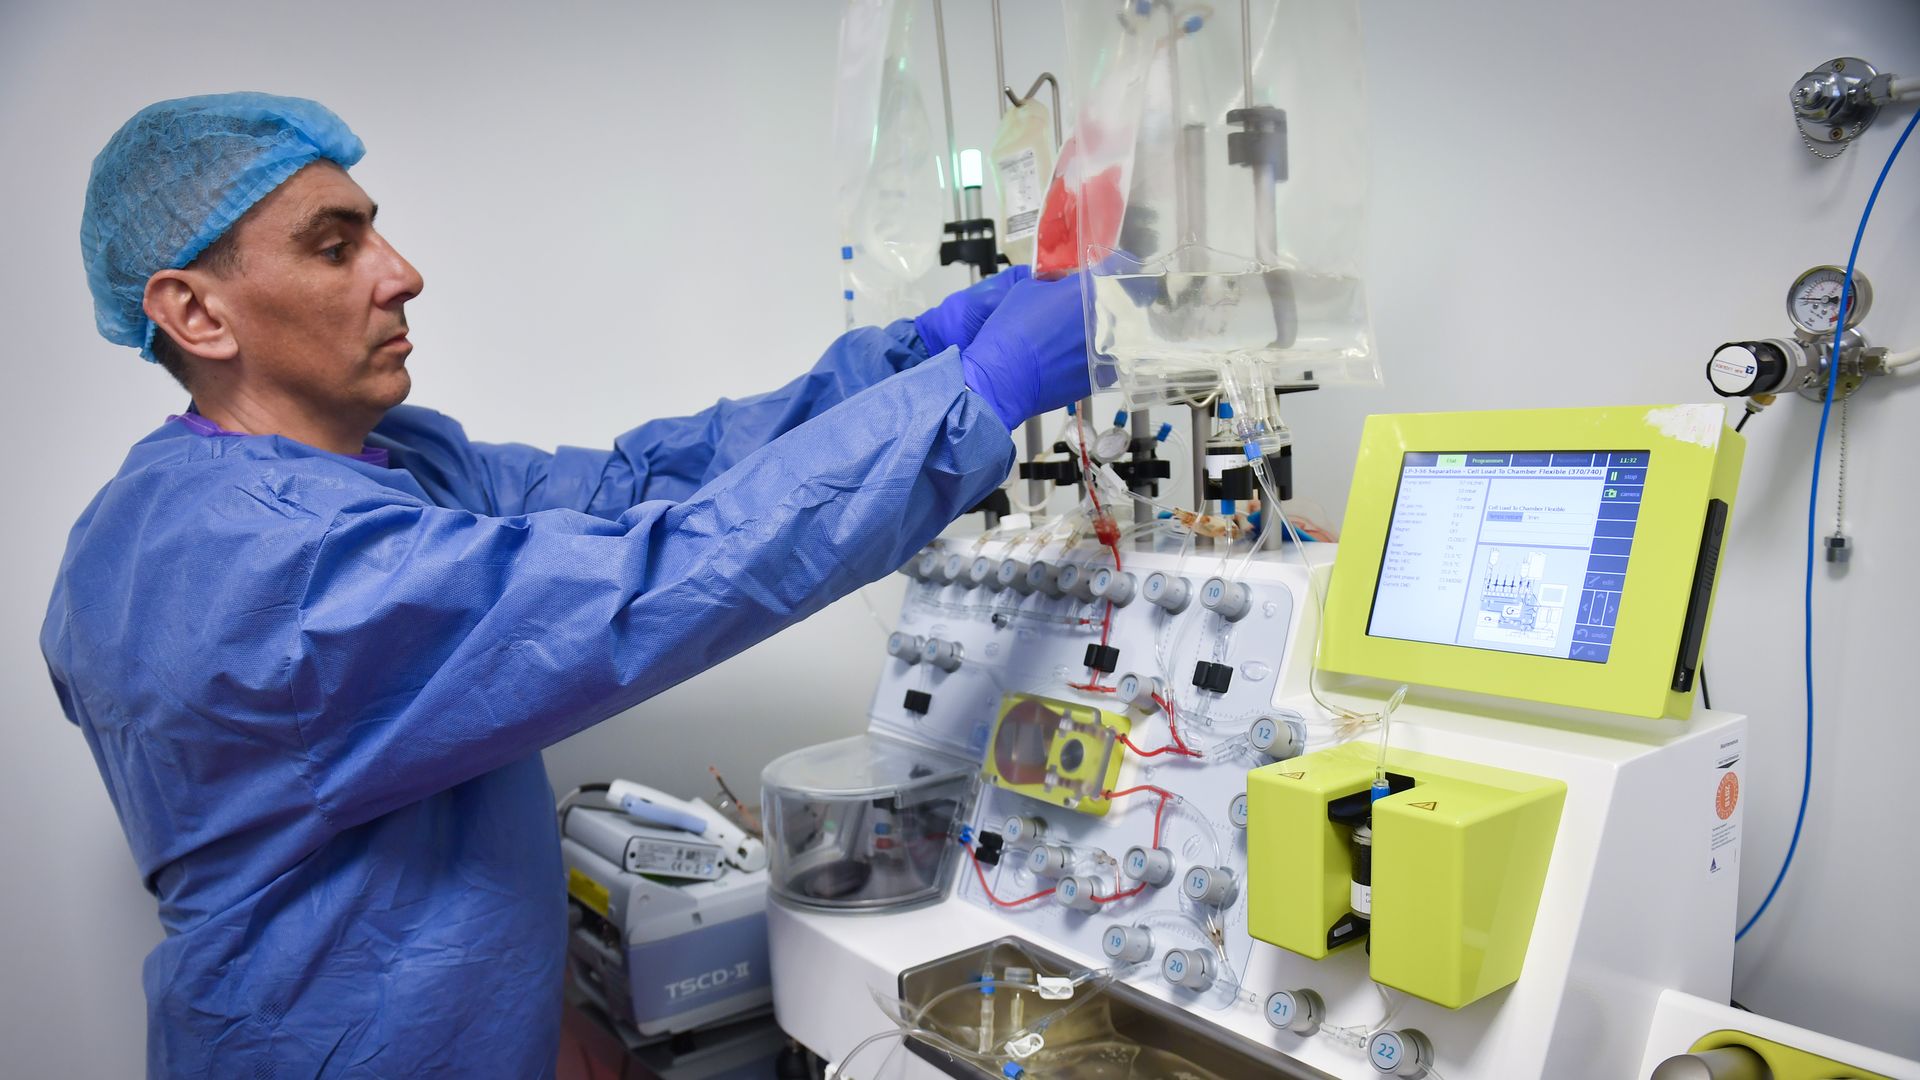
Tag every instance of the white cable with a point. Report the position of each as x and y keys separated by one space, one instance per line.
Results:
x=1896 y=361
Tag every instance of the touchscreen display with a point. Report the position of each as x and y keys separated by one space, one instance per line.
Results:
x=1521 y=552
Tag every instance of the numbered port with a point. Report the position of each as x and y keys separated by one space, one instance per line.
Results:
x=1231 y=600
x=1139 y=691
x=1127 y=944
x=927 y=566
x=1212 y=885
x=1049 y=860
x=1278 y=737
x=1165 y=591
x=1116 y=587
x=1298 y=1011
x=902 y=646
x=1077 y=892
x=1074 y=581
x=1043 y=577
x=1012 y=574
x=1237 y=810
x=1405 y=1053
x=981 y=574
x=943 y=654
x=1023 y=829
x=1154 y=866
x=1190 y=968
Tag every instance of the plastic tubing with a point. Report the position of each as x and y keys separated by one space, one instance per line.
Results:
x=1813 y=513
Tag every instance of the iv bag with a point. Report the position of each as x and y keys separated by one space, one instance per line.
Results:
x=1022 y=166
x=1240 y=160
x=889 y=198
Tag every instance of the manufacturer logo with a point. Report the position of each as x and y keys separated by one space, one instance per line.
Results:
x=711 y=981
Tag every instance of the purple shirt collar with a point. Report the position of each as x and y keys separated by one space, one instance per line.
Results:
x=200 y=425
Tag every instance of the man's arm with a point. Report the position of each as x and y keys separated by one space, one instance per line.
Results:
x=671 y=458
x=438 y=644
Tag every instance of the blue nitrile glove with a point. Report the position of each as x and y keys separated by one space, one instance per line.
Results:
x=955 y=320
x=1031 y=355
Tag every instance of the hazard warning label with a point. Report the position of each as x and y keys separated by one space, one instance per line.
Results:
x=1723 y=824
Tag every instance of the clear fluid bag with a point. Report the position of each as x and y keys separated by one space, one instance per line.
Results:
x=1236 y=245
x=889 y=201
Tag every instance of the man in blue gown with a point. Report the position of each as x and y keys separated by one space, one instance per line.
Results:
x=316 y=639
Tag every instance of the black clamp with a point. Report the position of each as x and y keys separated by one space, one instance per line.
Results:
x=1208 y=675
x=1261 y=140
x=973 y=244
x=918 y=701
x=1103 y=658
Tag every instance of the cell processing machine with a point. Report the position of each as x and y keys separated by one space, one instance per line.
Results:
x=1438 y=801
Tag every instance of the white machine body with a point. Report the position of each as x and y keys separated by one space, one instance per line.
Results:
x=1639 y=898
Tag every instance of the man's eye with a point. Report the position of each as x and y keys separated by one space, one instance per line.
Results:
x=335 y=254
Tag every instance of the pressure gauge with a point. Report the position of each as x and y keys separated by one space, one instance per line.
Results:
x=1813 y=303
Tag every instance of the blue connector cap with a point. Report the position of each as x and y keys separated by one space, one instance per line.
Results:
x=966 y=834
x=1193 y=24
x=1224 y=410
x=1072 y=407
x=1164 y=514
x=1165 y=431
x=1252 y=450
x=848 y=294
x=1226 y=507
x=1120 y=418
x=1379 y=791
x=846 y=253
x=1012 y=1071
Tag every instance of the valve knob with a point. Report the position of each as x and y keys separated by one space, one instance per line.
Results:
x=1138 y=691
x=904 y=646
x=927 y=566
x=1298 y=1011
x=1231 y=600
x=1278 y=738
x=1013 y=575
x=1127 y=944
x=1237 y=810
x=1741 y=368
x=1074 y=581
x=1116 y=587
x=954 y=570
x=1049 y=860
x=1076 y=892
x=1167 y=592
x=1191 y=968
x=942 y=654
x=1154 y=866
x=1406 y=1053
x=1022 y=828
x=1212 y=885
x=981 y=574
x=1043 y=577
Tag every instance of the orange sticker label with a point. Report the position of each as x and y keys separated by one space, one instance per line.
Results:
x=1727 y=796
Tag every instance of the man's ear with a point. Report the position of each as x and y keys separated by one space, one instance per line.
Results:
x=178 y=302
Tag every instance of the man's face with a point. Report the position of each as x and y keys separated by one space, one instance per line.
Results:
x=317 y=305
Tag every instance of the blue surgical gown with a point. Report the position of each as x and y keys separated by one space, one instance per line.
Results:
x=317 y=689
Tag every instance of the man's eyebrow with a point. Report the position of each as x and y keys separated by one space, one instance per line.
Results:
x=328 y=217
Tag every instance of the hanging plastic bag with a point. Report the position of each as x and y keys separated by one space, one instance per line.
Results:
x=1243 y=194
x=889 y=198
x=1022 y=166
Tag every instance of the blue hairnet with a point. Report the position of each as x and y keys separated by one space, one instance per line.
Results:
x=177 y=176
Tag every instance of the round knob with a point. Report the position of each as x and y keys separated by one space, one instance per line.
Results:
x=1076 y=892
x=1191 y=968
x=927 y=566
x=1153 y=866
x=903 y=646
x=1740 y=368
x=1167 y=592
x=1400 y=1053
x=954 y=570
x=1049 y=860
x=1724 y=1063
x=1138 y=691
x=1237 y=810
x=1298 y=1011
x=1127 y=944
x=1013 y=575
x=1113 y=586
x=1043 y=577
x=1023 y=828
x=1277 y=738
x=1073 y=580
x=1231 y=600
x=942 y=654
x=981 y=573
x=1212 y=885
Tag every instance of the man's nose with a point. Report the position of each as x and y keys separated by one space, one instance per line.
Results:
x=399 y=281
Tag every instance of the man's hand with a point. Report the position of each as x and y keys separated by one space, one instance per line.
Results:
x=1030 y=356
x=955 y=320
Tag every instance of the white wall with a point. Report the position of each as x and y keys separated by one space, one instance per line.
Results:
x=624 y=210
